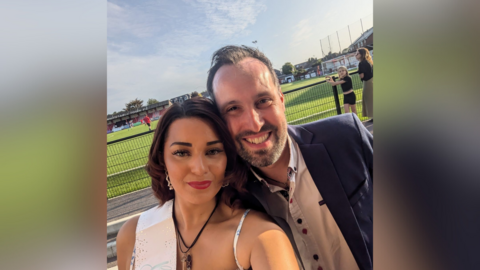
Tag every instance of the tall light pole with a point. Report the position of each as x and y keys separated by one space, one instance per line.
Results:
x=255 y=42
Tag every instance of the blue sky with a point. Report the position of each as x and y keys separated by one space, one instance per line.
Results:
x=162 y=49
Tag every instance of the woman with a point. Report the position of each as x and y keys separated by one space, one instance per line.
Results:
x=349 y=97
x=365 y=71
x=199 y=223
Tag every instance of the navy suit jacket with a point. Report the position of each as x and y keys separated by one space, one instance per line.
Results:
x=338 y=152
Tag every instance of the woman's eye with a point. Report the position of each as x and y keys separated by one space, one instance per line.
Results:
x=180 y=153
x=214 y=152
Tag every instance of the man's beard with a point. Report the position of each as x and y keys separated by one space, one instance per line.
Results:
x=264 y=157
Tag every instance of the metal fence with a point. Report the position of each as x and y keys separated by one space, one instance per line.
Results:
x=319 y=100
x=126 y=158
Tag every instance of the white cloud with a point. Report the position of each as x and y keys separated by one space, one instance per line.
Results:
x=136 y=21
x=301 y=33
x=226 y=18
x=158 y=51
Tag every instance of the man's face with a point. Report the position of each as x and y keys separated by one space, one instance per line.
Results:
x=254 y=110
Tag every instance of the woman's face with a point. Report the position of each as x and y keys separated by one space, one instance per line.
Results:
x=195 y=160
x=358 y=56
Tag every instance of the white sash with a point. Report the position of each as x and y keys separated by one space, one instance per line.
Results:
x=155 y=241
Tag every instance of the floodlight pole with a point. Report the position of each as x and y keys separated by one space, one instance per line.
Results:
x=321 y=47
x=329 y=44
x=339 y=43
x=350 y=36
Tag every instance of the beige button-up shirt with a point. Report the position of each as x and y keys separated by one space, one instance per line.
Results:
x=319 y=240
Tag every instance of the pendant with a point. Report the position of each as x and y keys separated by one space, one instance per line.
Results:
x=187 y=261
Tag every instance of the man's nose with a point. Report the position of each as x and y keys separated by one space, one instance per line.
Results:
x=253 y=121
x=198 y=165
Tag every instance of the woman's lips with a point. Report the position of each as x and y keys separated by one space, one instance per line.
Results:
x=200 y=185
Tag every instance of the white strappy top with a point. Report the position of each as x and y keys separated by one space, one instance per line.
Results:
x=155 y=240
x=235 y=239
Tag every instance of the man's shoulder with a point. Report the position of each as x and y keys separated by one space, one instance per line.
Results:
x=332 y=128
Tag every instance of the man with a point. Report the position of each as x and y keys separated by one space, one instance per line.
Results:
x=315 y=180
x=146 y=120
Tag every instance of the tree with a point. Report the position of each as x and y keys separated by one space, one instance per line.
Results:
x=345 y=50
x=288 y=68
x=133 y=105
x=318 y=62
x=301 y=70
x=152 y=101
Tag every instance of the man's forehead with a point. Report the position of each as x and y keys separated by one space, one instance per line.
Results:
x=249 y=69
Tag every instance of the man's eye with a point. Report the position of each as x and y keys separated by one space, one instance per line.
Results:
x=264 y=102
x=232 y=109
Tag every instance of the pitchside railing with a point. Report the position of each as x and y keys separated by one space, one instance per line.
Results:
x=126 y=157
x=319 y=100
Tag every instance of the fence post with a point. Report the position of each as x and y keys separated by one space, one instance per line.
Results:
x=335 y=96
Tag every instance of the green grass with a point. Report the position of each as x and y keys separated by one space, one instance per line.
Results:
x=126 y=159
x=130 y=132
x=297 y=84
x=318 y=102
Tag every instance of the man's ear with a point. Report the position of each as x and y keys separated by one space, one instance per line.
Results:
x=282 y=97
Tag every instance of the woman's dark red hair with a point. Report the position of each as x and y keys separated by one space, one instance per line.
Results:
x=203 y=108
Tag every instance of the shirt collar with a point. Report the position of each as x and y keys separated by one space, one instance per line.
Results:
x=292 y=164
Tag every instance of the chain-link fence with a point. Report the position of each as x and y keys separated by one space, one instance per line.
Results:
x=317 y=101
x=126 y=158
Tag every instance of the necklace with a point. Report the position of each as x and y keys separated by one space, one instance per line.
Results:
x=187 y=257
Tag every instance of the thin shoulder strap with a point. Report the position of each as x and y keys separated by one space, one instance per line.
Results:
x=235 y=239
x=132 y=261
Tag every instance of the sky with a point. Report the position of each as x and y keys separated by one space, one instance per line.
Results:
x=162 y=49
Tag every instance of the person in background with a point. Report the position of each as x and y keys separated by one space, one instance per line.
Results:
x=365 y=71
x=146 y=120
x=349 y=97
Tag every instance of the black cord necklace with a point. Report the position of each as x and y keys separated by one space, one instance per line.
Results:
x=187 y=257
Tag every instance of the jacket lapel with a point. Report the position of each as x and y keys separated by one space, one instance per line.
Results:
x=326 y=179
x=329 y=185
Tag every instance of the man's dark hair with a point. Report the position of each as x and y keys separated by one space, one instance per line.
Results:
x=231 y=55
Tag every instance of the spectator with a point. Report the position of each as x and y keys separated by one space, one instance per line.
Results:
x=365 y=71
x=349 y=97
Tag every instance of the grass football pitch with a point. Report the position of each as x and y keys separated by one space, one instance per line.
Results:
x=126 y=159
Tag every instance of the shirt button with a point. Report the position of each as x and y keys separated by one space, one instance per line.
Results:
x=299 y=221
x=315 y=257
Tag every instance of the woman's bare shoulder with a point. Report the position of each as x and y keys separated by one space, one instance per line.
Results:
x=260 y=222
x=126 y=242
x=261 y=239
x=127 y=231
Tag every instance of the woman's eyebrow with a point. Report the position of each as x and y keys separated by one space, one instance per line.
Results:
x=181 y=143
x=213 y=142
